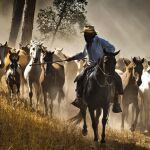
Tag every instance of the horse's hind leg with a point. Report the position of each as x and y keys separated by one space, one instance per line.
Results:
x=84 y=130
x=94 y=125
x=104 y=121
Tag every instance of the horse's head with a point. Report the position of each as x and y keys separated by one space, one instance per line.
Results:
x=14 y=58
x=108 y=62
x=138 y=69
x=3 y=50
x=35 y=51
x=26 y=48
x=47 y=56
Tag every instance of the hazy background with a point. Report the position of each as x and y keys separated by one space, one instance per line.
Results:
x=124 y=23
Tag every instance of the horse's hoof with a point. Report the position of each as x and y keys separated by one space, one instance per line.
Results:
x=84 y=132
x=103 y=141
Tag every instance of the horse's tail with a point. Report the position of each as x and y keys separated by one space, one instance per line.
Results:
x=61 y=95
x=78 y=118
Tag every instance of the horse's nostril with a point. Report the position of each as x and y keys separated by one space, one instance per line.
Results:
x=35 y=60
x=139 y=82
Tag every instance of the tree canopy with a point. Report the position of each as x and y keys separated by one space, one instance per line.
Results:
x=63 y=18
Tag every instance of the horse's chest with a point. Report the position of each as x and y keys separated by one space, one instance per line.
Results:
x=131 y=90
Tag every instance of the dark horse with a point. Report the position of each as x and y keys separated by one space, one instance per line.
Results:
x=52 y=80
x=13 y=74
x=98 y=92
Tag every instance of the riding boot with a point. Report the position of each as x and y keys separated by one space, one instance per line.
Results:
x=78 y=102
x=119 y=91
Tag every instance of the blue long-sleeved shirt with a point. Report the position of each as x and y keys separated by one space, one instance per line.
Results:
x=95 y=51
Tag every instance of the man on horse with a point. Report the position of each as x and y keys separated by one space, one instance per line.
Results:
x=94 y=50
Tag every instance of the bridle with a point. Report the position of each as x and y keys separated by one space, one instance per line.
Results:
x=106 y=75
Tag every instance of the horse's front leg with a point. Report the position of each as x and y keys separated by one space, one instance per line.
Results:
x=124 y=112
x=37 y=91
x=94 y=125
x=30 y=91
x=136 y=116
x=84 y=130
x=98 y=113
x=44 y=92
x=104 y=121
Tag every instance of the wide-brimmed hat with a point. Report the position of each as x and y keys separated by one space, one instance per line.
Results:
x=88 y=29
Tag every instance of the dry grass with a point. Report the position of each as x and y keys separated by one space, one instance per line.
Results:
x=24 y=130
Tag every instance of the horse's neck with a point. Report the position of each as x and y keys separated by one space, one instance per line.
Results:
x=47 y=68
x=99 y=74
x=30 y=65
x=127 y=78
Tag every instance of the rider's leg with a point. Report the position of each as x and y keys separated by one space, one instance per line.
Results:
x=119 y=91
x=78 y=102
x=79 y=89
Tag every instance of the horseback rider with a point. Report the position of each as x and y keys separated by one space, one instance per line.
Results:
x=94 y=50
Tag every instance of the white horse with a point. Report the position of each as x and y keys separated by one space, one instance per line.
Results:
x=32 y=72
x=145 y=88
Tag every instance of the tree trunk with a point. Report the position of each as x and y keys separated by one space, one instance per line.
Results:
x=28 y=21
x=59 y=22
x=18 y=7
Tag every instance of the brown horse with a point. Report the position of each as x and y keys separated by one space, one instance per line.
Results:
x=131 y=79
x=52 y=80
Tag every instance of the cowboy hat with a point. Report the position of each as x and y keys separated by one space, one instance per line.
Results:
x=88 y=29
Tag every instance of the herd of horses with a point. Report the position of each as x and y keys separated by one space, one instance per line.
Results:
x=47 y=73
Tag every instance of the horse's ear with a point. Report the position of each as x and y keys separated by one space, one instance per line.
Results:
x=18 y=52
x=10 y=52
x=5 y=44
x=116 y=53
x=125 y=62
x=28 y=46
x=105 y=52
x=61 y=49
x=20 y=45
x=134 y=60
x=143 y=60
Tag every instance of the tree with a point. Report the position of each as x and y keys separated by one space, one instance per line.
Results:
x=18 y=7
x=28 y=21
x=62 y=18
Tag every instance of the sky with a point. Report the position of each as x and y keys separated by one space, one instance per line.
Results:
x=124 y=23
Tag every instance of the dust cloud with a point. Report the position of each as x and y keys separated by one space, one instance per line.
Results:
x=124 y=23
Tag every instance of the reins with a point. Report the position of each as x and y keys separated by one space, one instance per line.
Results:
x=105 y=75
x=34 y=64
